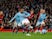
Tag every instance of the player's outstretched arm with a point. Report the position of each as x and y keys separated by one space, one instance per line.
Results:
x=26 y=14
x=13 y=18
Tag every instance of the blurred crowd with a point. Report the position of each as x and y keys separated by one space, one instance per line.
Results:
x=11 y=7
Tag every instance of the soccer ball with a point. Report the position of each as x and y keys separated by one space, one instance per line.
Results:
x=44 y=31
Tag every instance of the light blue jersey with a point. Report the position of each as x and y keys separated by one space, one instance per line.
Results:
x=42 y=17
x=19 y=17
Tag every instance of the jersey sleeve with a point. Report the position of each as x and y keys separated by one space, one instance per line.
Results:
x=45 y=16
x=13 y=17
x=26 y=14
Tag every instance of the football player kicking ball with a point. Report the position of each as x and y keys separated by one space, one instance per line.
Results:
x=41 y=21
x=21 y=20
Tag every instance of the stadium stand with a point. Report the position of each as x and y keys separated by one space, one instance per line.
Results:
x=10 y=7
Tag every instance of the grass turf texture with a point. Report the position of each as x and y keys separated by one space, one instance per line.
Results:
x=20 y=35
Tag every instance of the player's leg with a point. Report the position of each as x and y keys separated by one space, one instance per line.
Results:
x=44 y=27
x=27 y=23
x=1 y=26
x=37 y=26
x=13 y=29
x=31 y=28
x=14 y=26
x=19 y=25
x=24 y=28
x=28 y=30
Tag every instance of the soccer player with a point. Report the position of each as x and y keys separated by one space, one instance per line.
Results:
x=41 y=20
x=32 y=18
x=21 y=20
x=1 y=19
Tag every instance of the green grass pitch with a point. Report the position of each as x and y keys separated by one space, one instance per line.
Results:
x=20 y=35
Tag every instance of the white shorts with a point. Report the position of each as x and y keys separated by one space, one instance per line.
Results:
x=25 y=21
x=40 y=23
